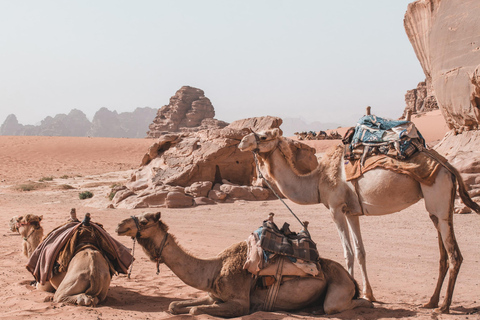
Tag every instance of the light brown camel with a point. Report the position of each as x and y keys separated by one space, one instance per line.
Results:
x=228 y=285
x=85 y=282
x=32 y=232
x=379 y=191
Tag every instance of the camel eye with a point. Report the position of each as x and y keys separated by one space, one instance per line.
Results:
x=143 y=222
x=263 y=138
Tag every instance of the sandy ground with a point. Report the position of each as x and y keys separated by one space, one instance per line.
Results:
x=402 y=250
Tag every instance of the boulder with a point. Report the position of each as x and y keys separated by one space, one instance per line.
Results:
x=178 y=200
x=199 y=189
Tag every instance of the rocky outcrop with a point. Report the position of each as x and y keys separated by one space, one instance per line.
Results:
x=444 y=35
x=188 y=111
x=419 y=100
x=11 y=127
x=105 y=123
x=193 y=168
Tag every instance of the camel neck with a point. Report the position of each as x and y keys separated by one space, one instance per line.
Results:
x=195 y=272
x=301 y=189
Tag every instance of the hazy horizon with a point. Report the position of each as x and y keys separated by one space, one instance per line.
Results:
x=314 y=60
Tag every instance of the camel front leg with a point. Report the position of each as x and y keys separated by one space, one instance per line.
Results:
x=354 y=224
x=228 y=309
x=339 y=218
x=182 y=307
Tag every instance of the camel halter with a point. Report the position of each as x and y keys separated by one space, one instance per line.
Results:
x=158 y=258
x=261 y=176
x=26 y=224
x=33 y=231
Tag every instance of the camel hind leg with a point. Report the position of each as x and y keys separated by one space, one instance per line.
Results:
x=439 y=201
x=342 y=290
x=87 y=280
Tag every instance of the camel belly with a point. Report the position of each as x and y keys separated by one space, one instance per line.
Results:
x=293 y=294
x=384 y=191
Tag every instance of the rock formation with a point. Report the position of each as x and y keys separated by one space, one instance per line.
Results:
x=105 y=123
x=192 y=168
x=189 y=110
x=419 y=100
x=444 y=35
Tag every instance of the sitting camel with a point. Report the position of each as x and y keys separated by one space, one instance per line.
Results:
x=229 y=285
x=32 y=232
x=86 y=279
x=376 y=192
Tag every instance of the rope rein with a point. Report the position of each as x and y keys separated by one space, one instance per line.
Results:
x=261 y=176
x=133 y=258
x=158 y=258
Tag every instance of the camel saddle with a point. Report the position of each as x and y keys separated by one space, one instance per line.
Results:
x=373 y=135
x=56 y=250
x=270 y=247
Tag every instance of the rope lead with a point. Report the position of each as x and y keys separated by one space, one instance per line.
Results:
x=260 y=175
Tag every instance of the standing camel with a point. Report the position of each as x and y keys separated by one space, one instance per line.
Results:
x=379 y=192
x=228 y=284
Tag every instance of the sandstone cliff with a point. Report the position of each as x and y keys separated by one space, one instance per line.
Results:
x=446 y=39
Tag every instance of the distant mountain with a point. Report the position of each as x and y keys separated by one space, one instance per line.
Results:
x=292 y=125
x=105 y=123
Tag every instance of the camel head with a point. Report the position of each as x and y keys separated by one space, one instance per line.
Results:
x=27 y=222
x=262 y=142
x=139 y=226
x=13 y=223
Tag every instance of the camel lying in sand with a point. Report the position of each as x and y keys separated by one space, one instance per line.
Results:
x=87 y=278
x=376 y=192
x=32 y=232
x=229 y=285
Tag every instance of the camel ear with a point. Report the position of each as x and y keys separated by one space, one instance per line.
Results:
x=19 y=218
x=156 y=217
x=40 y=218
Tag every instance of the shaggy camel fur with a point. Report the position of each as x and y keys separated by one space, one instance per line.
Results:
x=378 y=192
x=228 y=284
x=86 y=281
x=32 y=232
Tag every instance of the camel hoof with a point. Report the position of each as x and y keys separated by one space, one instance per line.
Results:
x=442 y=309
x=86 y=300
x=430 y=305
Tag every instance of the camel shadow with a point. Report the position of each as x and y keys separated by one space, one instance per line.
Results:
x=466 y=311
x=123 y=298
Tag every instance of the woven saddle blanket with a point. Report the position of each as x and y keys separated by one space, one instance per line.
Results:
x=377 y=136
x=62 y=243
x=268 y=241
x=420 y=166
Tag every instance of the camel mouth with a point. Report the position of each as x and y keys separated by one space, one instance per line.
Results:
x=121 y=232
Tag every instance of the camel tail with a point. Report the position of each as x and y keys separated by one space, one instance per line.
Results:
x=462 y=189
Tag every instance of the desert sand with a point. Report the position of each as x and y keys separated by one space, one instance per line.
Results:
x=402 y=249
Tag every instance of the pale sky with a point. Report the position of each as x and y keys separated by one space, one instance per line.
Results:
x=311 y=59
